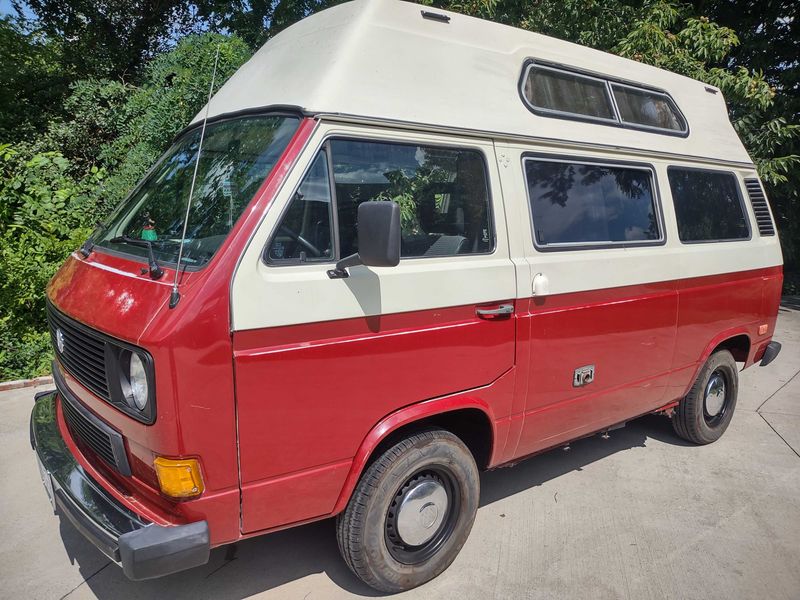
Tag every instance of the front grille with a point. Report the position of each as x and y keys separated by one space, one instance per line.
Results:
x=760 y=208
x=83 y=430
x=90 y=431
x=80 y=351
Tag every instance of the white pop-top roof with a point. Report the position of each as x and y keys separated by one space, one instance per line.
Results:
x=380 y=59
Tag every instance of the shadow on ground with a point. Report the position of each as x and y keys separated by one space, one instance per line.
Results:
x=269 y=561
x=790 y=303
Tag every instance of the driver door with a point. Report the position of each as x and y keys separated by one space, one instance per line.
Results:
x=319 y=361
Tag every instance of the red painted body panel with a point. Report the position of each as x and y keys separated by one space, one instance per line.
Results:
x=628 y=333
x=192 y=350
x=309 y=394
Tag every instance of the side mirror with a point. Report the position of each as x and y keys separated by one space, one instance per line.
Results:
x=378 y=238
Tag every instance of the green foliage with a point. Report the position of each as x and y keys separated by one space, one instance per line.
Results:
x=112 y=38
x=409 y=191
x=174 y=90
x=32 y=84
x=44 y=215
x=94 y=116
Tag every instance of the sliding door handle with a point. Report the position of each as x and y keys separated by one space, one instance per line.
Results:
x=504 y=310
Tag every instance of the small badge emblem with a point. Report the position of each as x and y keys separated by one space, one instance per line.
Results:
x=60 y=342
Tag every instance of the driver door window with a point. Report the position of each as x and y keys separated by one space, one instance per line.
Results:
x=305 y=232
x=442 y=192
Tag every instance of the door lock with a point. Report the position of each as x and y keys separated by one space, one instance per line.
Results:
x=583 y=376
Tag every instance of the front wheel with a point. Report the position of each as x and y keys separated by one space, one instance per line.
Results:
x=411 y=512
x=706 y=411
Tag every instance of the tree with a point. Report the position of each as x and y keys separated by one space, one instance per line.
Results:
x=111 y=38
x=32 y=82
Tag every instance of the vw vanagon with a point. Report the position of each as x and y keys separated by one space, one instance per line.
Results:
x=399 y=246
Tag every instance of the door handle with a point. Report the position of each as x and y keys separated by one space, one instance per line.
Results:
x=504 y=310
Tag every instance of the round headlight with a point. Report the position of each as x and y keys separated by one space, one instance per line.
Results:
x=138 y=381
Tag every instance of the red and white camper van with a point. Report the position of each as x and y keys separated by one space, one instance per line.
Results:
x=406 y=245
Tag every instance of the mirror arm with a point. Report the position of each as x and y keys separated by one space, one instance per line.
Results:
x=340 y=271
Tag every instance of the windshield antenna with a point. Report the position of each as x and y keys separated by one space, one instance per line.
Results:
x=175 y=296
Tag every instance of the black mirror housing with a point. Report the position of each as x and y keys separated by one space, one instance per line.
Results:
x=379 y=234
x=378 y=238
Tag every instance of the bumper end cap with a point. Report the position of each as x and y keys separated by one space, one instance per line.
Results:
x=155 y=551
x=770 y=354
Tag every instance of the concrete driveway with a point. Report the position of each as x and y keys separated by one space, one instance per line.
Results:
x=640 y=515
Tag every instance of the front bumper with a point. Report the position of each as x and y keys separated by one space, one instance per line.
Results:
x=144 y=550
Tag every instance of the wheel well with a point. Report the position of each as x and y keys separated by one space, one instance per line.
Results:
x=470 y=425
x=738 y=346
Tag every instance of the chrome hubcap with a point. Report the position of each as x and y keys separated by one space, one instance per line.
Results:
x=421 y=512
x=715 y=394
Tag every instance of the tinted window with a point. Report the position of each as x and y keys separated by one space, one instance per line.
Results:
x=305 y=230
x=577 y=203
x=237 y=155
x=442 y=193
x=707 y=205
x=643 y=107
x=562 y=91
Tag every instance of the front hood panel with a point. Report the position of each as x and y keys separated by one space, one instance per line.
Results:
x=109 y=294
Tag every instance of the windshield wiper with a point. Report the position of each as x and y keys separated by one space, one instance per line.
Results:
x=156 y=272
x=87 y=247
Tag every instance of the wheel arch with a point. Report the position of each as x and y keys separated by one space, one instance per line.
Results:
x=736 y=341
x=470 y=419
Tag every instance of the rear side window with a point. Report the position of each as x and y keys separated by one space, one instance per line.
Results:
x=587 y=204
x=708 y=205
x=442 y=192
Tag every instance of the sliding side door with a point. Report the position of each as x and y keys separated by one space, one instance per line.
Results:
x=601 y=302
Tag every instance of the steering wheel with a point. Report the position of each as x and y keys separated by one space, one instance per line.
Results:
x=316 y=252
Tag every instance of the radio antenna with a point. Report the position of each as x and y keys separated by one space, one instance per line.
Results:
x=175 y=296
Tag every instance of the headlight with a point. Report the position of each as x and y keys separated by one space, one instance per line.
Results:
x=131 y=381
x=137 y=379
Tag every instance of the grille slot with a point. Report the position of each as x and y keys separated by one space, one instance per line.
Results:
x=83 y=354
x=87 y=432
x=90 y=431
x=759 y=202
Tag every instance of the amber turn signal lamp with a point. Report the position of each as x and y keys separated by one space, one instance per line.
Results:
x=179 y=478
x=762 y=329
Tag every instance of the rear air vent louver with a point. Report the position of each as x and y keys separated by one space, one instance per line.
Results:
x=760 y=208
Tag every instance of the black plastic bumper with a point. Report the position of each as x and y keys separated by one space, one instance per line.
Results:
x=770 y=354
x=144 y=550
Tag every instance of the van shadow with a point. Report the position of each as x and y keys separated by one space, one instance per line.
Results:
x=287 y=557
x=790 y=303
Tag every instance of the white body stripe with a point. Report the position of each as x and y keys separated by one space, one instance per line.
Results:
x=270 y=296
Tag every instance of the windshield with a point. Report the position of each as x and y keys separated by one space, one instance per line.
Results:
x=237 y=155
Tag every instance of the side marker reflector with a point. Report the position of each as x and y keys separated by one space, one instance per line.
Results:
x=179 y=478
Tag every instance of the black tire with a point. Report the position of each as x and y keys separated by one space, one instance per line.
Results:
x=368 y=529
x=705 y=413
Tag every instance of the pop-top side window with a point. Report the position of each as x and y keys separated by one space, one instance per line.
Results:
x=559 y=92
x=708 y=205
x=563 y=92
x=646 y=108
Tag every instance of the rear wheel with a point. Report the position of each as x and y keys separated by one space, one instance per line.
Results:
x=411 y=512
x=706 y=411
